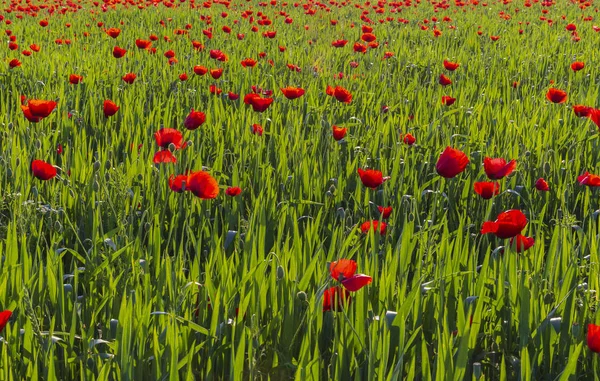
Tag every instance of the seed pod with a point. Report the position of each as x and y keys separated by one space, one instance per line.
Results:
x=96 y=165
x=280 y=272
x=302 y=296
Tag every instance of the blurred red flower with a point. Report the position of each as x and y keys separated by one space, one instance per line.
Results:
x=202 y=185
x=556 y=95
x=42 y=170
x=451 y=162
x=233 y=191
x=498 y=168
x=339 y=132
x=487 y=190
x=589 y=180
x=109 y=108
x=508 y=224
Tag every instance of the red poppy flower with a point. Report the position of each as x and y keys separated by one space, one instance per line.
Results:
x=194 y=120
x=118 y=52
x=385 y=211
x=42 y=170
x=581 y=110
x=240 y=36
x=292 y=92
x=556 y=95
x=371 y=178
x=129 y=78
x=342 y=269
x=75 y=79
x=4 y=317
x=143 y=44
x=593 y=338
x=249 y=62
x=110 y=108
x=335 y=298
x=233 y=96
x=571 y=27
x=408 y=139
x=34 y=47
x=496 y=169
x=166 y=136
x=451 y=163
x=257 y=129
x=36 y=109
x=203 y=185
x=359 y=48
x=339 y=132
x=258 y=104
x=44 y=23
x=357 y=281
x=520 y=243
x=183 y=77
x=542 y=185
x=200 y=70
x=487 y=190
x=373 y=225
x=448 y=100
x=451 y=66
x=197 y=45
x=169 y=54
x=218 y=55
x=233 y=191
x=339 y=43
x=368 y=37
x=342 y=95
x=576 y=66
x=589 y=180
x=494 y=38
x=13 y=45
x=177 y=183
x=14 y=63
x=216 y=73
x=113 y=32
x=444 y=80
x=164 y=156
x=508 y=224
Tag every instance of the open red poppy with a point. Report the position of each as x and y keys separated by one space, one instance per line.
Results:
x=508 y=224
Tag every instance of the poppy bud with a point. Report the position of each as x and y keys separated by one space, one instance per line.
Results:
x=107 y=165
x=96 y=186
x=340 y=213
x=147 y=226
x=477 y=370
x=172 y=147
x=38 y=144
x=10 y=126
x=328 y=194
x=71 y=193
x=302 y=296
x=34 y=192
x=189 y=143
x=549 y=298
x=280 y=272
x=96 y=165
x=57 y=226
x=332 y=188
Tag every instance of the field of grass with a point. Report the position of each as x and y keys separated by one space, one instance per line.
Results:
x=110 y=274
